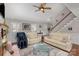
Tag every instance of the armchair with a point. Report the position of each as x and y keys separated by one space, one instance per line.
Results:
x=33 y=38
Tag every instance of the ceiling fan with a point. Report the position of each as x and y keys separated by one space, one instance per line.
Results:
x=42 y=7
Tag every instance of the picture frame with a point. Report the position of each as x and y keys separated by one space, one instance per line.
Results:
x=26 y=27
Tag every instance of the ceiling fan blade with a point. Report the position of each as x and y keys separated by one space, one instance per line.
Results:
x=43 y=11
x=37 y=10
x=35 y=6
x=43 y=4
x=47 y=8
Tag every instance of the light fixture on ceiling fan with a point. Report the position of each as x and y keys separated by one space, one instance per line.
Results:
x=42 y=7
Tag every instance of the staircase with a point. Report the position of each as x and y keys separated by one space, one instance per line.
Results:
x=67 y=24
x=67 y=20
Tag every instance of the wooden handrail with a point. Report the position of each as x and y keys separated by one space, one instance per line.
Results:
x=61 y=20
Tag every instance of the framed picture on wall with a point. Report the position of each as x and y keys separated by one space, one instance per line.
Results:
x=26 y=26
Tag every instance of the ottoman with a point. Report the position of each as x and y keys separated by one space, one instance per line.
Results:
x=41 y=49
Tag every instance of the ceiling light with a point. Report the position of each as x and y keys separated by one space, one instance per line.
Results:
x=42 y=7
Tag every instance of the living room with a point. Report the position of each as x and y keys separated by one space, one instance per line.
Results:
x=39 y=29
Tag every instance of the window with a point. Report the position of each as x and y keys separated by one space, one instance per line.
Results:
x=15 y=27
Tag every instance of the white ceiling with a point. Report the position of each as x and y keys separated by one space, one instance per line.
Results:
x=26 y=11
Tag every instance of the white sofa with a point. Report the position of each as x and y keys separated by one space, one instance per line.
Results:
x=60 y=40
x=33 y=38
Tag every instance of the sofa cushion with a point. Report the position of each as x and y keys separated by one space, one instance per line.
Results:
x=33 y=38
x=55 y=41
x=63 y=37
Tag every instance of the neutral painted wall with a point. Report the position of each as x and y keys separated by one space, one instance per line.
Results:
x=75 y=30
x=18 y=28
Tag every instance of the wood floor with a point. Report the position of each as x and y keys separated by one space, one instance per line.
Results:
x=0 y=51
x=75 y=50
